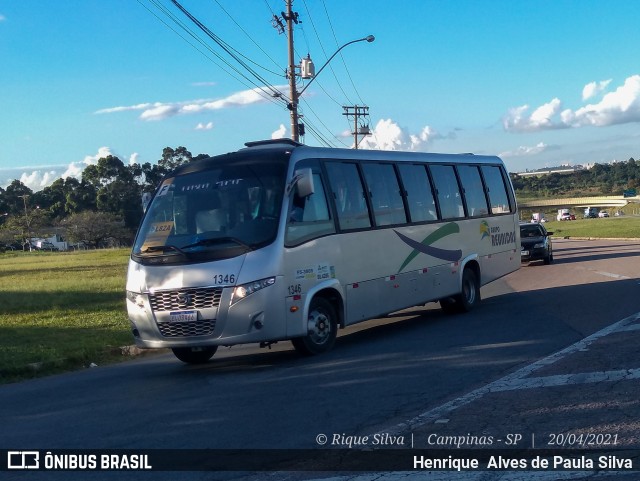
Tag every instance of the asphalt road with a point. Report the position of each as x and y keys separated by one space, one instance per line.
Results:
x=381 y=377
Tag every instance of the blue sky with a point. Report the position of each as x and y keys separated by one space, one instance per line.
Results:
x=540 y=83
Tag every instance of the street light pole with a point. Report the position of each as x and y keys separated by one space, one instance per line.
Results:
x=291 y=18
x=368 y=38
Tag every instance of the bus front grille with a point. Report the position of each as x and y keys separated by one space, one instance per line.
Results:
x=189 y=298
x=187 y=329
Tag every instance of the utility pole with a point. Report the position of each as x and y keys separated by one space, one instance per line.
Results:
x=26 y=219
x=292 y=18
x=357 y=111
x=307 y=69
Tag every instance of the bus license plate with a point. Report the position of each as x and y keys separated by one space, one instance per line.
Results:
x=524 y=253
x=183 y=316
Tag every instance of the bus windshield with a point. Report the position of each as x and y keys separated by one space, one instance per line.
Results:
x=214 y=213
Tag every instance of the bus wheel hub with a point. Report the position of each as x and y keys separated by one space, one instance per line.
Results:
x=318 y=325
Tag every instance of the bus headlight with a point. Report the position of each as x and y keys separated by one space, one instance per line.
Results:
x=244 y=290
x=137 y=299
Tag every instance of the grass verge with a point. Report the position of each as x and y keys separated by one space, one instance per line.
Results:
x=605 y=228
x=61 y=311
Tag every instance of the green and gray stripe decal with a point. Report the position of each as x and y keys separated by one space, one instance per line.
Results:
x=425 y=247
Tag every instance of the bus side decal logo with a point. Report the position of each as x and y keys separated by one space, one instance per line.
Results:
x=425 y=246
x=485 y=231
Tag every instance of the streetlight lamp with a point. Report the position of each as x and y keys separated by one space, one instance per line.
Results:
x=295 y=95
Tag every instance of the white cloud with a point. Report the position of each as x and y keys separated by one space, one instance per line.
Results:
x=203 y=84
x=202 y=126
x=38 y=178
x=388 y=135
x=541 y=118
x=524 y=150
x=2 y=18
x=280 y=133
x=594 y=88
x=161 y=110
x=618 y=107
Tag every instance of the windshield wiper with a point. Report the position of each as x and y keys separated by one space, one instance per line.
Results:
x=218 y=240
x=164 y=248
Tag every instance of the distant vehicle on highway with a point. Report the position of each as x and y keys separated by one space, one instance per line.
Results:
x=590 y=213
x=535 y=243
x=567 y=216
x=538 y=217
x=604 y=213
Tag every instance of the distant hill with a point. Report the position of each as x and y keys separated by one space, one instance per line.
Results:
x=600 y=179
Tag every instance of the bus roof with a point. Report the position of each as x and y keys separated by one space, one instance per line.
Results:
x=301 y=151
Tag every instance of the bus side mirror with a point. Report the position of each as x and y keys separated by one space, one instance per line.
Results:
x=303 y=183
x=146 y=200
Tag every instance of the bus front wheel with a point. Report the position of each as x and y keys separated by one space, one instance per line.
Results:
x=322 y=329
x=194 y=355
x=468 y=298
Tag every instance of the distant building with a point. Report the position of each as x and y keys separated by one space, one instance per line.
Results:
x=564 y=169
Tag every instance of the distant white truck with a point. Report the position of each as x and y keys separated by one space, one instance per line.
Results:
x=538 y=217
x=561 y=213
x=54 y=242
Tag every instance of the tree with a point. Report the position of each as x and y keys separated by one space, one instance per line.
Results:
x=107 y=170
x=26 y=225
x=14 y=197
x=94 y=229
x=117 y=191
x=81 y=195
x=174 y=158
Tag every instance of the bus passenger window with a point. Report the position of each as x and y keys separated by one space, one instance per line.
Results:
x=385 y=194
x=348 y=195
x=446 y=184
x=422 y=206
x=498 y=197
x=473 y=190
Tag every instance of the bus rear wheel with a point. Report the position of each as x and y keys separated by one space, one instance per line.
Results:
x=194 y=355
x=322 y=329
x=468 y=298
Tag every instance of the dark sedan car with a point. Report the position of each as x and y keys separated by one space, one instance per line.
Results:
x=536 y=243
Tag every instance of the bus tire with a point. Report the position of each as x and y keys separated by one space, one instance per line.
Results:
x=468 y=298
x=194 y=355
x=323 y=327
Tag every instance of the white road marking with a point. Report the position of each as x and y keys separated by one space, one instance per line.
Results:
x=516 y=380
x=610 y=274
x=508 y=382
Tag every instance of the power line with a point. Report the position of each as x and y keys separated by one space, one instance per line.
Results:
x=324 y=51
x=252 y=40
x=341 y=56
x=228 y=49
x=277 y=99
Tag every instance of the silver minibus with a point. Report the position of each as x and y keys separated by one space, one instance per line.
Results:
x=281 y=241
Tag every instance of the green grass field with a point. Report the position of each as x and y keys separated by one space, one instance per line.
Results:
x=61 y=311
x=608 y=227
